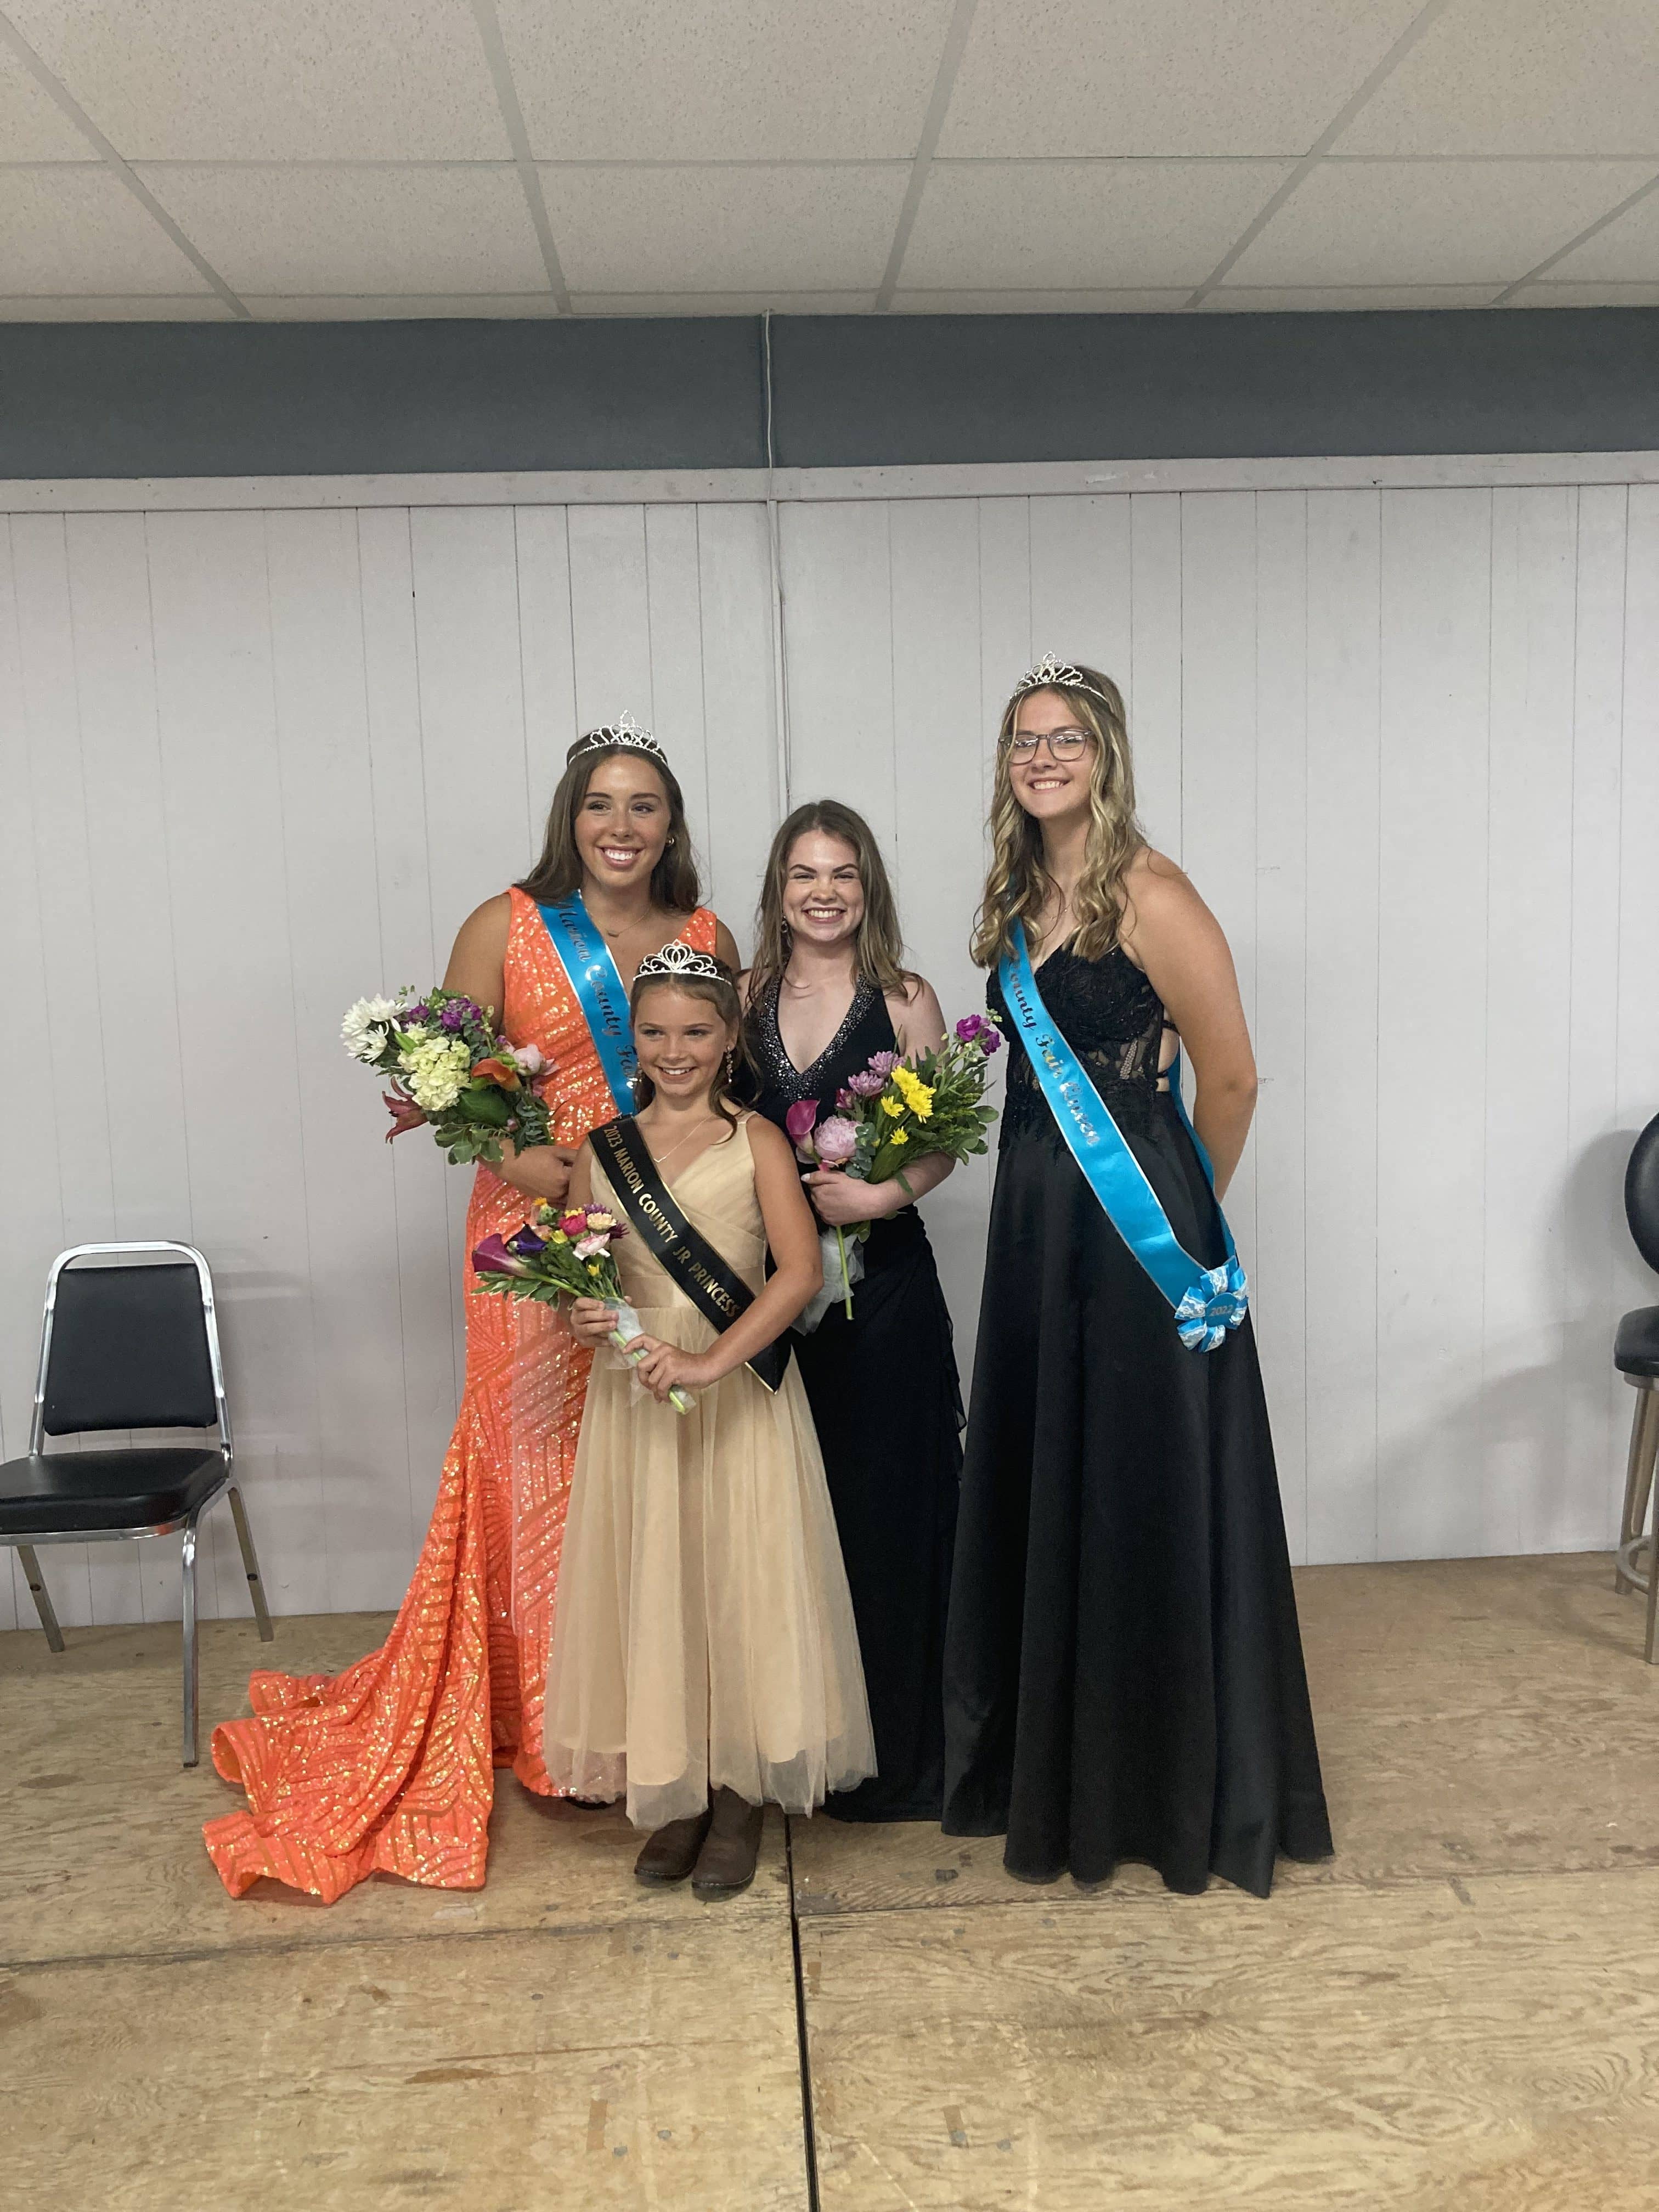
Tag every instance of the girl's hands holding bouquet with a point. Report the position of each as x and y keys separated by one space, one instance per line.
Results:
x=666 y=1367
x=592 y=1321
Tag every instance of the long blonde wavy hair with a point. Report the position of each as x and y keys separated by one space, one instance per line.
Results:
x=1017 y=884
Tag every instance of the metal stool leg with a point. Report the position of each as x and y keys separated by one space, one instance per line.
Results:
x=1638 y=1472
x=188 y=1575
x=41 y=1595
x=250 y=1565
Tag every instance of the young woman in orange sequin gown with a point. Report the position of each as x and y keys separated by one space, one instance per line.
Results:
x=389 y=1768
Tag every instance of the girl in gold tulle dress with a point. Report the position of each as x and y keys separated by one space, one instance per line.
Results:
x=704 y=1659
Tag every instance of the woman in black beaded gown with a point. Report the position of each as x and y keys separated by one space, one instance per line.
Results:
x=827 y=990
x=1123 y=1668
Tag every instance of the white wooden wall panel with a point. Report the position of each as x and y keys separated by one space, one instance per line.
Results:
x=1406 y=742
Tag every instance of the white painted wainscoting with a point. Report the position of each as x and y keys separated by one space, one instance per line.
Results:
x=257 y=757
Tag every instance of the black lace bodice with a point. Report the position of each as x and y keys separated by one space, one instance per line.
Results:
x=1113 y=1020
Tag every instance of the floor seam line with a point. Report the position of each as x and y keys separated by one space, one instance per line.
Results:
x=809 y=2132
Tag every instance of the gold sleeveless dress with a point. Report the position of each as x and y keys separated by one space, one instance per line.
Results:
x=704 y=1633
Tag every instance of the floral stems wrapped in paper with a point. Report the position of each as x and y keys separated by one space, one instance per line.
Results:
x=558 y=1255
x=892 y=1112
x=451 y=1071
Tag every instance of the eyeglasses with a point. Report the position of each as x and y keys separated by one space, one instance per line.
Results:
x=1063 y=744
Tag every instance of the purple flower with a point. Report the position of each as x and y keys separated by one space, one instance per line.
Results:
x=420 y=1013
x=451 y=1018
x=493 y=1257
x=843 y=1099
x=867 y=1084
x=974 y=1028
x=836 y=1139
x=526 y=1244
x=883 y=1063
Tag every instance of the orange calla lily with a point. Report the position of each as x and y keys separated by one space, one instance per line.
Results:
x=499 y=1072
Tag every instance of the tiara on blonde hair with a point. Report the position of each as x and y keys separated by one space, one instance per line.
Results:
x=1049 y=671
x=677 y=961
x=624 y=731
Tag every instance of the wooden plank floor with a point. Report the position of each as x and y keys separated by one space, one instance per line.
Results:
x=1453 y=2012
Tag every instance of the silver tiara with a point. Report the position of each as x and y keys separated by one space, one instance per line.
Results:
x=1049 y=671
x=678 y=960
x=624 y=731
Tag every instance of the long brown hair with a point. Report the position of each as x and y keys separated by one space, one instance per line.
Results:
x=722 y=994
x=879 y=949
x=1018 y=883
x=675 y=888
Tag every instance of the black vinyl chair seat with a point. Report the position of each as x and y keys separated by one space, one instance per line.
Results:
x=56 y=1493
x=1636 y=1346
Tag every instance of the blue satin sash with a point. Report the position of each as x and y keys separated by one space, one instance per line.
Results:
x=585 y=959
x=1207 y=1302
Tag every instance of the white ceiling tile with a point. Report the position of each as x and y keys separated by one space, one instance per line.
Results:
x=103 y=308
x=1626 y=253
x=1163 y=77
x=1546 y=293
x=1522 y=77
x=33 y=127
x=742 y=229
x=722 y=303
x=733 y=80
x=281 y=79
x=1041 y=303
x=307 y=231
x=1430 y=222
x=391 y=307
x=66 y=230
x=1069 y=226
x=1251 y=300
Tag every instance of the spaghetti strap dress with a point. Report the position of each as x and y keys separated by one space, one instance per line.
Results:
x=886 y=1400
x=389 y=1766
x=705 y=1636
x=1124 y=1676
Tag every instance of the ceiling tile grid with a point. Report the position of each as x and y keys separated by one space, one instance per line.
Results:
x=300 y=159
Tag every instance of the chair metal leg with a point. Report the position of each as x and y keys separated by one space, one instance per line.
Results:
x=251 y=1565
x=188 y=1574
x=41 y=1595
x=1638 y=1472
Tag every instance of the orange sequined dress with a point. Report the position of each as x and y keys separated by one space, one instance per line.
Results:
x=390 y=1766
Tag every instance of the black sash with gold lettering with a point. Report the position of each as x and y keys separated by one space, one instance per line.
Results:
x=719 y=1295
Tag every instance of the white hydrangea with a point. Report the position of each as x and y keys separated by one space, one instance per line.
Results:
x=365 y=1027
x=434 y=1069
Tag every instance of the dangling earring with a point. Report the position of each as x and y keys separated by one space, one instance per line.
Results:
x=728 y=1067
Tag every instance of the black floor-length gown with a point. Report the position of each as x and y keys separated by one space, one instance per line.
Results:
x=1123 y=1666
x=886 y=1404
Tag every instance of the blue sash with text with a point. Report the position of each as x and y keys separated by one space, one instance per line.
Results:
x=1206 y=1301
x=586 y=959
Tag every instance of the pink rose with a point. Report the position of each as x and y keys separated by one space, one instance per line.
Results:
x=837 y=1140
x=530 y=1057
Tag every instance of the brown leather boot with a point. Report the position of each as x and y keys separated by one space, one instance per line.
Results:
x=726 y=1865
x=671 y=1852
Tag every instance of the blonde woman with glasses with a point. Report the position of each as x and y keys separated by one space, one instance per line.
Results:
x=1123 y=1666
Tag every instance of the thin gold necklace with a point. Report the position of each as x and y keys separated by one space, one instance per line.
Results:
x=686 y=1140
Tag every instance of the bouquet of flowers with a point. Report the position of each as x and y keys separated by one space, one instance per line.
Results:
x=894 y=1111
x=568 y=1256
x=451 y=1070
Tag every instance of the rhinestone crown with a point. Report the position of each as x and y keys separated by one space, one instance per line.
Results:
x=678 y=960
x=1049 y=671
x=624 y=731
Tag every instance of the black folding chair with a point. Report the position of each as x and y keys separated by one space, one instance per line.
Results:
x=127 y=1347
